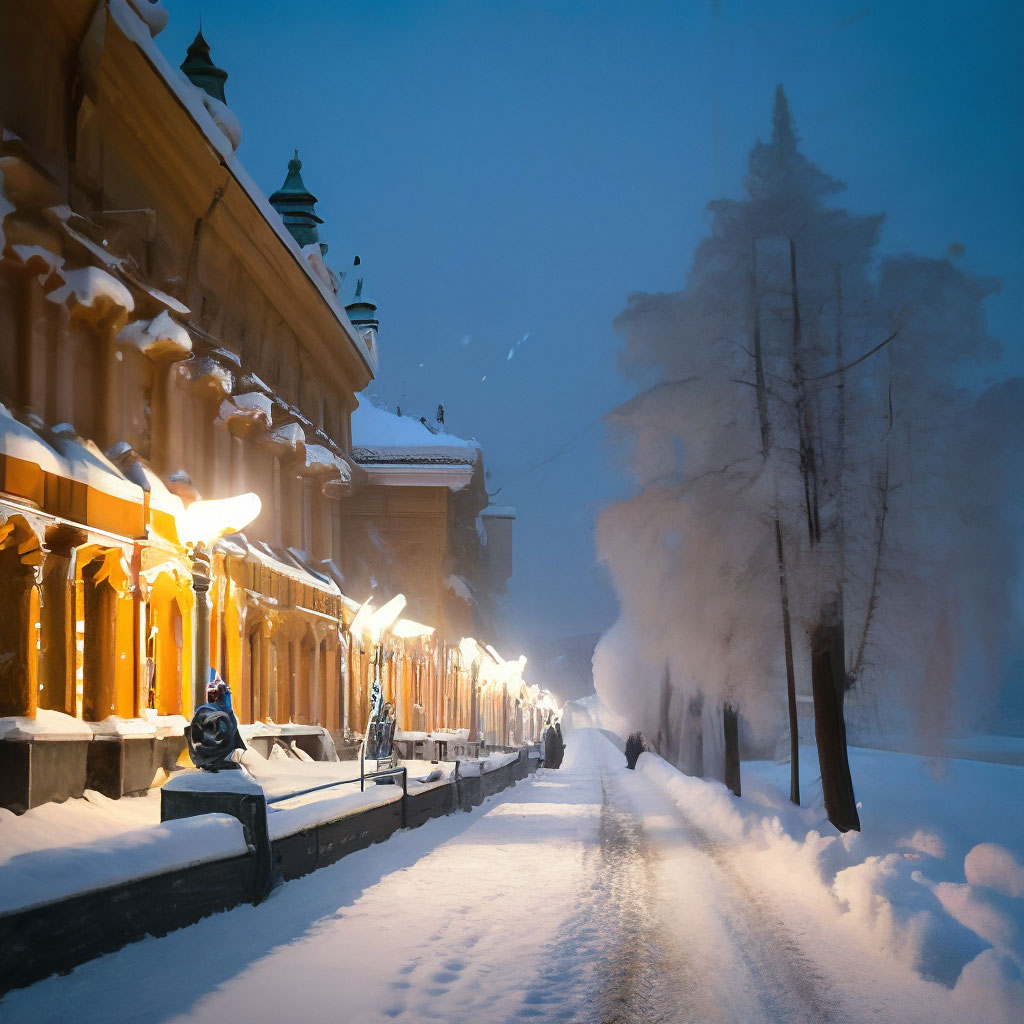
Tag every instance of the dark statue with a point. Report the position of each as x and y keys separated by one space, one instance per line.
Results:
x=213 y=732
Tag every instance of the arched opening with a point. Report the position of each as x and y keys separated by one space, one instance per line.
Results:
x=304 y=668
x=170 y=660
x=253 y=689
x=19 y=554
x=279 y=706
x=56 y=690
x=325 y=712
x=99 y=604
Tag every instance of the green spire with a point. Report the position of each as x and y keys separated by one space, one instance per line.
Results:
x=201 y=71
x=361 y=312
x=295 y=204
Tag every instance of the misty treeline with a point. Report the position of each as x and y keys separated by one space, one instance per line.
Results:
x=825 y=482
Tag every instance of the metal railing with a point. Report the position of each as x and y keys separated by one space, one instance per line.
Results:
x=363 y=776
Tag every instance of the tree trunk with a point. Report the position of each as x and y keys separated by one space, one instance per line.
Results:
x=828 y=683
x=787 y=637
x=663 y=740
x=787 y=632
x=692 y=740
x=730 y=722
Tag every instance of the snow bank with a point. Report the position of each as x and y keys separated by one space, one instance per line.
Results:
x=992 y=865
x=48 y=875
x=935 y=879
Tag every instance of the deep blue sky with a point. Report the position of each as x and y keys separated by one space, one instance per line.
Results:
x=521 y=166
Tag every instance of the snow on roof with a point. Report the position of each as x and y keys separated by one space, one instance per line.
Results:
x=262 y=554
x=382 y=436
x=192 y=99
x=22 y=442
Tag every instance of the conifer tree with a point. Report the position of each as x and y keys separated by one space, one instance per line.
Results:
x=774 y=527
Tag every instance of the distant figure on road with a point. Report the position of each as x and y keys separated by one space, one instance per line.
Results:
x=554 y=748
x=549 y=742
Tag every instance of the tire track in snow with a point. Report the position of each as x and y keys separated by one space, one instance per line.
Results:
x=646 y=974
x=769 y=971
x=613 y=962
x=789 y=987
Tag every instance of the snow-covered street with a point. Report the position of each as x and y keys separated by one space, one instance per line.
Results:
x=582 y=895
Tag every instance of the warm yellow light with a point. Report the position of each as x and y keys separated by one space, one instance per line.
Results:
x=204 y=521
x=385 y=615
x=406 y=629
x=362 y=618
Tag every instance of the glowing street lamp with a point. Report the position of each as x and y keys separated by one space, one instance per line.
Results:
x=199 y=527
x=384 y=617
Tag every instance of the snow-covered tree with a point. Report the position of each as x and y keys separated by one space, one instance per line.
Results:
x=796 y=510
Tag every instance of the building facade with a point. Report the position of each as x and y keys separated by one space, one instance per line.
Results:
x=168 y=335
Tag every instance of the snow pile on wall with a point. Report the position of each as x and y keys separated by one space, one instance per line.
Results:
x=92 y=287
x=51 y=724
x=157 y=337
x=936 y=879
x=97 y=854
x=474 y=767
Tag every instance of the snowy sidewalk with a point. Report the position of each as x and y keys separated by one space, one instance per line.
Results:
x=445 y=922
x=583 y=895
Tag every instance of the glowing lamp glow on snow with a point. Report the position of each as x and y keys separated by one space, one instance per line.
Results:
x=203 y=522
